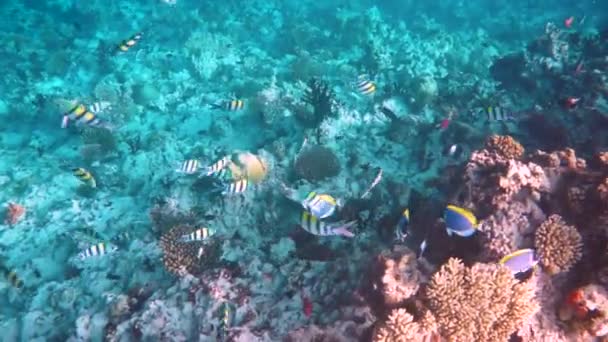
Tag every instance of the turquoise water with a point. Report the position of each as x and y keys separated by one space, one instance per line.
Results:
x=299 y=67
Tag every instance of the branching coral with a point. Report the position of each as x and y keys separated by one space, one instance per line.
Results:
x=321 y=98
x=401 y=326
x=186 y=257
x=558 y=245
x=505 y=146
x=481 y=303
x=316 y=163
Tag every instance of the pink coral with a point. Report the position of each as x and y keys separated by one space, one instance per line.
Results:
x=14 y=212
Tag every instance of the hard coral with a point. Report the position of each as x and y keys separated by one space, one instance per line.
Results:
x=181 y=258
x=505 y=146
x=401 y=277
x=316 y=163
x=558 y=245
x=401 y=326
x=479 y=303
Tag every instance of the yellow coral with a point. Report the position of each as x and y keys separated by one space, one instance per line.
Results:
x=558 y=245
x=481 y=303
x=400 y=326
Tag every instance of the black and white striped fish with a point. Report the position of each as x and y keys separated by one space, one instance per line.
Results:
x=189 y=166
x=236 y=187
x=98 y=249
x=495 y=113
x=217 y=166
x=232 y=105
x=87 y=115
x=313 y=225
x=365 y=86
x=200 y=234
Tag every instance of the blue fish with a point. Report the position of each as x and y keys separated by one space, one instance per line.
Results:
x=402 y=225
x=520 y=261
x=459 y=221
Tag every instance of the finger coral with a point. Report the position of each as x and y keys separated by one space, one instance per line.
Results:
x=479 y=303
x=401 y=326
x=316 y=163
x=181 y=258
x=558 y=245
x=505 y=146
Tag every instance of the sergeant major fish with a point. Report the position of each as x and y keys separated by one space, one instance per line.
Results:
x=81 y=114
x=236 y=187
x=496 y=113
x=231 y=105
x=85 y=176
x=189 y=166
x=313 y=225
x=365 y=86
x=200 y=234
x=95 y=250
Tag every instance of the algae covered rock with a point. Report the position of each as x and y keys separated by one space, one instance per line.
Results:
x=316 y=163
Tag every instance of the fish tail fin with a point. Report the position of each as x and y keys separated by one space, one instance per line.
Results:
x=215 y=105
x=343 y=229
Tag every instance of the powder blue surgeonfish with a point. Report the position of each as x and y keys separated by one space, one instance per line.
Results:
x=520 y=261
x=401 y=231
x=459 y=221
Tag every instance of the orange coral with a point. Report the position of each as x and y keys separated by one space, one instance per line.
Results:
x=505 y=146
x=14 y=212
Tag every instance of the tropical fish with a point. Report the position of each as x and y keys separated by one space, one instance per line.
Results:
x=189 y=166
x=402 y=226
x=200 y=234
x=365 y=86
x=313 y=225
x=85 y=176
x=225 y=321
x=454 y=151
x=571 y=102
x=125 y=45
x=307 y=305
x=320 y=205
x=231 y=105
x=520 y=261
x=13 y=278
x=236 y=187
x=217 y=166
x=121 y=237
x=568 y=22
x=496 y=113
x=374 y=183
x=459 y=221
x=98 y=249
x=82 y=114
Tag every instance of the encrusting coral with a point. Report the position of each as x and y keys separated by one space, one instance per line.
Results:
x=558 y=245
x=505 y=146
x=183 y=257
x=479 y=303
x=401 y=326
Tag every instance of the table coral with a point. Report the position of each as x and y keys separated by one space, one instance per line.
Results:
x=479 y=303
x=558 y=245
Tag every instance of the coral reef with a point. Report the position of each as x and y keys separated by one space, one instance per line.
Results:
x=504 y=146
x=558 y=245
x=316 y=163
x=14 y=213
x=401 y=326
x=479 y=303
x=400 y=277
x=181 y=258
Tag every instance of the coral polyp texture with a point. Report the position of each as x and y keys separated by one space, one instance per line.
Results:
x=401 y=326
x=180 y=257
x=559 y=245
x=479 y=303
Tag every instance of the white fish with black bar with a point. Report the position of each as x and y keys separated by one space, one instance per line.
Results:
x=320 y=205
x=315 y=226
x=217 y=166
x=236 y=187
x=365 y=86
x=495 y=113
x=95 y=250
x=231 y=105
x=200 y=234
x=189 y=166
